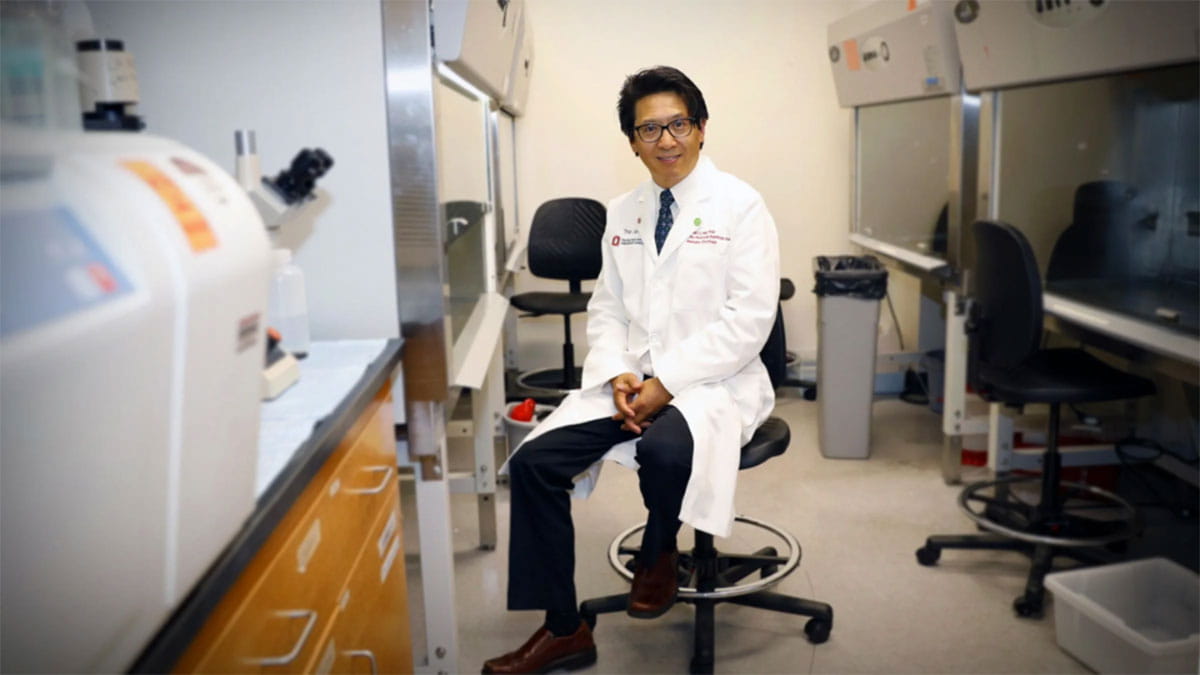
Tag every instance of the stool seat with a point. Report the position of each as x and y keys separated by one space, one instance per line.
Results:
x=770 y=440
x=546 y=302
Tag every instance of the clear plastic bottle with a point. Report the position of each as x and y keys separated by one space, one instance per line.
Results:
x=287 y=311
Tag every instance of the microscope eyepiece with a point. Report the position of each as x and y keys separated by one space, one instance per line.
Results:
x=296 y=182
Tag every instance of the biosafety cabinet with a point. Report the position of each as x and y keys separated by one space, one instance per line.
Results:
x=913 y=145
x=896 y=65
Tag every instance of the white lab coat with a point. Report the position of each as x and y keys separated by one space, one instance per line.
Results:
x=696 y=316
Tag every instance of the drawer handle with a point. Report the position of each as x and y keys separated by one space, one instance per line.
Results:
x=365 y=653
x=387 y=476
x=295 y=651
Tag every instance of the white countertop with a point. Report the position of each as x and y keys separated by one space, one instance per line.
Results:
x=329 y=372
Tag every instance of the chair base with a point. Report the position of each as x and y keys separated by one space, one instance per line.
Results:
x=708 y=577
x=548 y=380
x=1031 y=603
x=1016 y=525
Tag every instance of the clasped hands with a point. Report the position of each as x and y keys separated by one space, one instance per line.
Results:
x=637 y=401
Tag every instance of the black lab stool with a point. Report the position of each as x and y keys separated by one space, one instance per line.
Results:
x=708 y=576
x=1009 y=366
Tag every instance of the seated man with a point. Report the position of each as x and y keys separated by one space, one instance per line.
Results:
x=672 y=384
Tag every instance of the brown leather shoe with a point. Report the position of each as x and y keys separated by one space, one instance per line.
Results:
x=655 y=587
x=543 y=652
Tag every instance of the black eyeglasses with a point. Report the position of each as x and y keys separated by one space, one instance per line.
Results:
x=650 y=132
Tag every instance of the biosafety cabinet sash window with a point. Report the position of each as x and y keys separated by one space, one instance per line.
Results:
x=464 y=197
x=1102 y=175
x=904 y=173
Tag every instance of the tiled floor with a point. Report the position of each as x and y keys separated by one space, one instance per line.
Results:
x=858 y=522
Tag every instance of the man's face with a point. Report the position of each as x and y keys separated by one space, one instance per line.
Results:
x=669 y=159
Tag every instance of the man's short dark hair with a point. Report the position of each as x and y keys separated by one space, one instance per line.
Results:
x=657 y=80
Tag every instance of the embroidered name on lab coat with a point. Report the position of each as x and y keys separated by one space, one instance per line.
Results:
x=618 y=240
x=708 y=236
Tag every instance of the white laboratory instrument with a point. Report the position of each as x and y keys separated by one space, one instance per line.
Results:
x=134 y=278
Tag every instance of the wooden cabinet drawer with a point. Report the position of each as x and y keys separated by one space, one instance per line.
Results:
x=370 y=632
x=285 y=601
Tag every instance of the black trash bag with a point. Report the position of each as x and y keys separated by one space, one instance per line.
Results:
x=848 y=275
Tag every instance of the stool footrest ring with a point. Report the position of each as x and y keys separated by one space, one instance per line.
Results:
x=990 y=509
x=785 y=564
x=546 y=380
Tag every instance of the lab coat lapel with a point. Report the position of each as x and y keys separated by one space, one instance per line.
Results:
x=691 y=209
x=647 y=215
x=683 y=226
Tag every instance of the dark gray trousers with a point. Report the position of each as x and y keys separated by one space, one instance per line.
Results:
x=541 y=552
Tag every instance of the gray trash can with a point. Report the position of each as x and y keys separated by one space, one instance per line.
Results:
x=848 y=290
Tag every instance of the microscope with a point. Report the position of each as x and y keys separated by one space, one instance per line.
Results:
x=279 y=200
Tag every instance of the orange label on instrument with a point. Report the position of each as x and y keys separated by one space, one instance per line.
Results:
x=195 y=228
x=850 y=49
x=912 y=4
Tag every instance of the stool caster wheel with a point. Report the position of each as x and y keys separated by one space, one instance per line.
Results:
x=928 y=555
x=817 y=630
x=1027 y=607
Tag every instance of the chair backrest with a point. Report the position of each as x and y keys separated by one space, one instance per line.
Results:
x=774 y=352
x=1109 y=226
x=1008 y=295
x=564 y=239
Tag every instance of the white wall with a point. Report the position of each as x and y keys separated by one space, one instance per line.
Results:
x=301 y=74
x=774 y=122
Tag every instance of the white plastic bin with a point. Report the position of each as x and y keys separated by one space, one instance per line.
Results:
x=518 y=430
x=1133 y=617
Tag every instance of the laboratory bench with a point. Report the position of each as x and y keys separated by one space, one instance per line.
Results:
x=315 y=579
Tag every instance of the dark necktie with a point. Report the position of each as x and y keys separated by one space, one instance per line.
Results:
x=664 y=219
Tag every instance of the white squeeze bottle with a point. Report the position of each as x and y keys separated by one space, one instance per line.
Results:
x=288 y=309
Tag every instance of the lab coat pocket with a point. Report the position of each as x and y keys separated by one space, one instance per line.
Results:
x=700 y=276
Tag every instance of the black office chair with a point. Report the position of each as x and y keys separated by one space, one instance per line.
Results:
x=1109 y=225
x=1007 y=365
x=707 y=576
x=564 y=243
